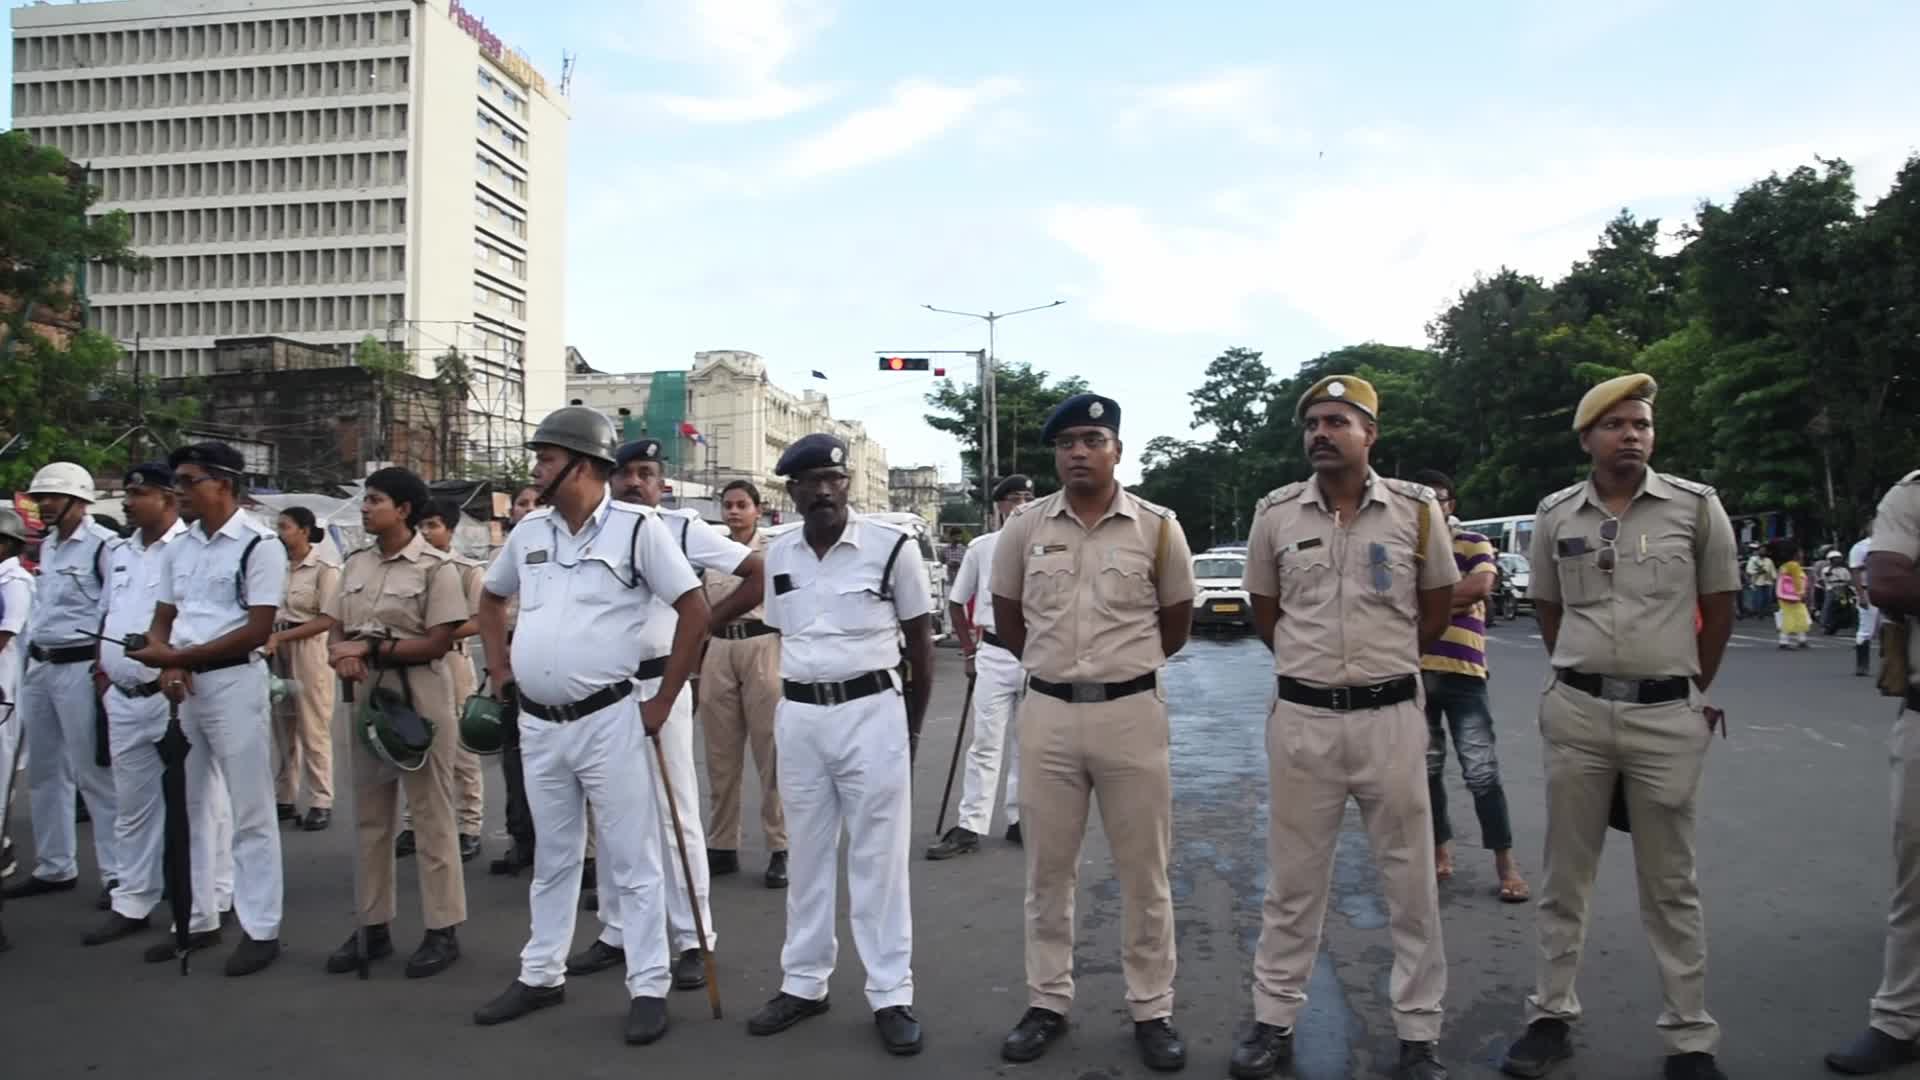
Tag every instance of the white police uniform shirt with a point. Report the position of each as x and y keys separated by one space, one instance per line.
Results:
x=834 y=625
x=998 y=683
x=976 y=571
x=73 y=572
x=705 y=548
x=580 y=625
x=133 y=588
x=16 y=607
x=201 y=578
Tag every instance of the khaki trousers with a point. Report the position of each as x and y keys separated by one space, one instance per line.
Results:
x=302 y=727
x=469 y=792
x=1316 y=759
x=429 y=789
x=739 y=690
x=1661 y=750
x=1896 y=1007
x=1116 y=750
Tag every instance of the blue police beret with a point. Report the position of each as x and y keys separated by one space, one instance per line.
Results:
x=637 y=450
x=816 y=451
x=1082 y=410
x=1012 y=485
x=152 y=474
x=217 y=456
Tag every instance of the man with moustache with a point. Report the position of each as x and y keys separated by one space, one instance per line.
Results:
x=1092 y=592
x=1622 y=560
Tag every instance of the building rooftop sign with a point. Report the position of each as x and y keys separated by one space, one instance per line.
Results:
x=511 y=61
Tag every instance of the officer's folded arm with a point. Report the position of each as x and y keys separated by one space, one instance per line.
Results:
x=1436 y=614
x=436 y=643
x=751 y=590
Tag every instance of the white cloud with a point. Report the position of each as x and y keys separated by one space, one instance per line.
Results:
x=915 y=113
x=1248 y=101
x=745 y=44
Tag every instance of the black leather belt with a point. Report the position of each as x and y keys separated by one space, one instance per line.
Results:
x=144 y=690
x=741 y=631
x=836 y=693
x=1093 y=693
x=222 y=665
x=651 y=669
x=586 y=706
x=990 y=638
x=61 y=654
x=1631 y=691
x=1349 y=698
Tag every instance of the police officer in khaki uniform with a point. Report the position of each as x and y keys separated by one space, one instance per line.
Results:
x=1893 y=577
x=1351 y=577
x=298 y=647
x=1093 y=590
x=393 y=622
x=1621 y=561
x=469 y=792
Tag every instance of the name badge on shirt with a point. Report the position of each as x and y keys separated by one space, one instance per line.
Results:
x=782 y=584
x=1571 y=547
x=1308 y=544
x=1048 y=549
x=536 y=557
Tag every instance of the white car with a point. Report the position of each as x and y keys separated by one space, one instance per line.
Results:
x=1219 y=598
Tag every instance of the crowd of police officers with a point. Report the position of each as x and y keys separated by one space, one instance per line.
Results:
x=816 y=653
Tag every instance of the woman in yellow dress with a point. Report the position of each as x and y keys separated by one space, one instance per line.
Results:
x=1794 y=620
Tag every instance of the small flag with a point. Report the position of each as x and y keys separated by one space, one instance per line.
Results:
x=688 y=430
x=819 y=374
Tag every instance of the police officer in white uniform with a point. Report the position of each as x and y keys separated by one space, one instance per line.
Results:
x=16 y=604
x=587 y=570
x=57 y=706
x=999 y=681
x=220 y=588
x=136 y=713
x=639 y=479
x=841 y=590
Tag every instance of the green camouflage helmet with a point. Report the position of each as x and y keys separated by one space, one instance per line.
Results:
x=483 y=725
x=392 y=731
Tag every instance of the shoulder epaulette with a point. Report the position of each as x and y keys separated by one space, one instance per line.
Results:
x=1411 y=490
x=1283 y=493
x=1560 y=496
x=1156 y=508
x=1030 y=504
x=1702 y=490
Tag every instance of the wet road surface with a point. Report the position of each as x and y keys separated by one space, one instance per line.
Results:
x=1793 y=837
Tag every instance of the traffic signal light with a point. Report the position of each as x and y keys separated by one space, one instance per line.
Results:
x=903 y=363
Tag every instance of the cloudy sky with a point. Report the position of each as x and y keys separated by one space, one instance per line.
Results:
x=797 y=177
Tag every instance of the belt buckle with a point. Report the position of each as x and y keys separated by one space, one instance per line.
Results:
x=1088 y=693
x=1340 y=698
x=1617 y=689
x=832 y=693
x=562 y=714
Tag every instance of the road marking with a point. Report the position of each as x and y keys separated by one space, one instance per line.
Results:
x=1817 y=737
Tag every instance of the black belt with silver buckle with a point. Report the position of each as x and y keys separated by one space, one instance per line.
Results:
x=655 y=668
x=222 y=665
x=144 y=690
x=1093 y=693
x=1348 y=698
x=586 y=706
x=988 y=637
x=741 y=631
x=61 y=654
x=836 y=693
x=1631 y=691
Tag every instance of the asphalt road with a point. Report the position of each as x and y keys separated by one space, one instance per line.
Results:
x=1793 y=837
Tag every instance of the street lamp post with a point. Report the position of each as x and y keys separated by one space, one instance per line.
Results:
x=990 y=400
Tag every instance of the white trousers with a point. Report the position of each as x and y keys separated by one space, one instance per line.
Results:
x=997 y=684
x=231 y=762
x=599 y=760
x=676 y=740
x=1869 y=624
x=57 y=707
x=134 y=725
x=847 y=765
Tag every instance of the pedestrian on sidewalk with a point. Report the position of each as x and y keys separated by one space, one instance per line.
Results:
x=1761 y=574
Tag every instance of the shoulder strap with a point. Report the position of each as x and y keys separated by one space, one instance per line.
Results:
x=633 y=551
x=1425 y=528
x=685 y=524
x=240 y=579
x=886 y=576
x=99 y=575
x=1160 y=549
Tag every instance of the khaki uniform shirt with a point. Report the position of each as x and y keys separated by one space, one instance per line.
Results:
x=1896 y=529
x=472 y=572
x=1092 y=597
x=721 y=585
x=1675 y=545
x=401 y=595
x=1349 y=593
x=311 y=587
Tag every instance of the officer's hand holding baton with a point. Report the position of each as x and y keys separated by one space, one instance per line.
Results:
x=654 y=713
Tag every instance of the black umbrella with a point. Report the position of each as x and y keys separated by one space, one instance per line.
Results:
x=177 y=862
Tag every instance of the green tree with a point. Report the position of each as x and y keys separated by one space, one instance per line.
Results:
x=1233 y=398
x=1025 y=397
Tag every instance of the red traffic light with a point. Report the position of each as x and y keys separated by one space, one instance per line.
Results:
x=940 y=371
x=903 y=363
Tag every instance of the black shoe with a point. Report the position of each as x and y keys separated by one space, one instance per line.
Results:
x=252 y=956
x=403 y=844
x=105 y=901
x=598 y=956
x=1418 y=1063
x=317 y=819
x=346 y=958
x=783 y=1012
x=1872 y=1051
x=284 y=811
x=958 y=841
x=689 y=971
x=163 y=952
x=1261 y=1052
x=646 y=1020
x=437 y=952
x=899 y=1030
x=721 y=862
x=776 y=875
x=469 y=847
x=39 y=886
x=1862 y=655
x=1531 y=1055
x=1692 y=1066
x=116 y=927
x=1030 y=1037
x=1013 y=835
x=515 y=860
x=1160 y=1047
x=519 y=1000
